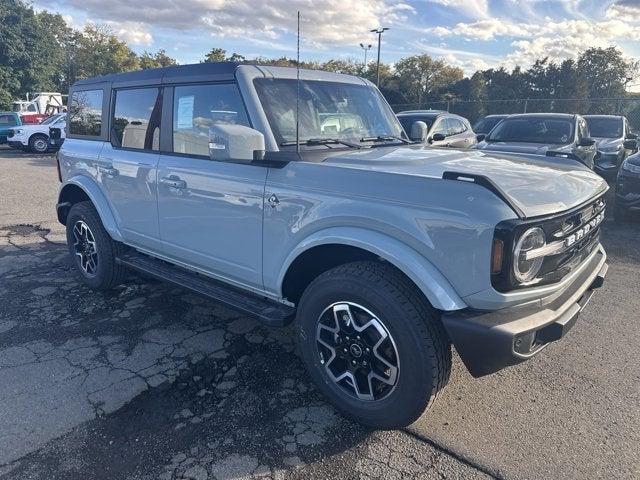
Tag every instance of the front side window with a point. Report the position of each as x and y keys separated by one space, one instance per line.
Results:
x=441 y=127
x=8 y=120
x=533 y=130
x=136 y=119
x=407 y=121
x=196 y=108
x=85 y=113
x=328 y=110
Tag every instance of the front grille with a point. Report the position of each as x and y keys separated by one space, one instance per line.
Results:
x=577 y=235
x=10 y=134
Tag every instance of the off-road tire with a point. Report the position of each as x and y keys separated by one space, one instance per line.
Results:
x=109 y=273
x=424 y=350
x=35 y=143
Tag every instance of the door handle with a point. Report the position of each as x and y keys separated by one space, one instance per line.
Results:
x=173 y=182
x=108 y=171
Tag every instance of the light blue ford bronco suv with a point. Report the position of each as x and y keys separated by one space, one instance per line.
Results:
x=303 y=201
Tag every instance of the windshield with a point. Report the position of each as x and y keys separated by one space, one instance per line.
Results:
x=408 y=121
x=486 y=124
x=328 y=110
x=605 y=127
x=50 y=119
x=533 y=130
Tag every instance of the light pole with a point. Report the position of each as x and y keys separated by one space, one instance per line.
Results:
x=379 y=31
x=366 y=48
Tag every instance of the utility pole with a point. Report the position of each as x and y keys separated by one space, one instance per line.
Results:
x=379 y=31
x=366 y=48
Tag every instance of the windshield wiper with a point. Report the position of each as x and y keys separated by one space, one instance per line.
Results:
x=385 y=138
x=322 y=141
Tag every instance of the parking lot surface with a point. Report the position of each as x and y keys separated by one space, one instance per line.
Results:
x=152 y=382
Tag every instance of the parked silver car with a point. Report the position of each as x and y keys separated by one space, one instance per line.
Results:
x=303 y=201
x=437 y=128
x=610 y=133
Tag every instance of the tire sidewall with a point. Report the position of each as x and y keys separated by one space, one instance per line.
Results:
x=414 y=381
x=81 y=212
x=34 y=139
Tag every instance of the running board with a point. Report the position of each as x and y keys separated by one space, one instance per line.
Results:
x=268 y=311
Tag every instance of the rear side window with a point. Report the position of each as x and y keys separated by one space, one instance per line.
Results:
x=85 y=113
x=136 y=119
x=8 y=120
x=197 y=107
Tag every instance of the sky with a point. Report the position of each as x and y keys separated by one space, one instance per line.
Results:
x=472 y=34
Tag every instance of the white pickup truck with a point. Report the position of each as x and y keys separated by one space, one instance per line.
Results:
x=35 y=138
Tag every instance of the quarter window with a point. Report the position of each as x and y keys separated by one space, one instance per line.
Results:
x=85 y=113
x=136 y=119
x=198 y=107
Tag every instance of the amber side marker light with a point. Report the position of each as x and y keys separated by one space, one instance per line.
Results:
x=497 y=255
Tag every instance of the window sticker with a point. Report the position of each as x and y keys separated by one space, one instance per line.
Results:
x=185 y=112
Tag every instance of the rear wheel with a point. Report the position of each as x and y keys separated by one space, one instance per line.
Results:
x=39 y=143
x=93 y=251
x=373 y=344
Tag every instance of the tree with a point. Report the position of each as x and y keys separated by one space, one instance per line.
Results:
x=220 y=55
x=156 y=60
x=99 y=52
x=422 y=78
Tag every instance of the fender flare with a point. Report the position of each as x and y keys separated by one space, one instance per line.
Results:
x=99 y=200
x=427 y=278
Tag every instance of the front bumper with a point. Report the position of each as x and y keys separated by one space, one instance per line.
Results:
x=490 y=341
x=15 y=144
x=628 y=191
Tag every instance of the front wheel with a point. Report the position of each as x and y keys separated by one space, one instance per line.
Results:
x=373 y=344
x=39 y=143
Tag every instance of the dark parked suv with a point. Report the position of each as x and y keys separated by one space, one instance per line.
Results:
x=550 y=134
x=438 y=128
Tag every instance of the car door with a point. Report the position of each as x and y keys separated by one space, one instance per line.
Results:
x=128 y=163
x=440 y=126
x=7 y=121
x=457 y=137
x=210 y=211
x=586 y=154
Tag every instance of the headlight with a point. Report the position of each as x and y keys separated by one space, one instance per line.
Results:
x=630 y=167
x=523 y=269
x=17 y=132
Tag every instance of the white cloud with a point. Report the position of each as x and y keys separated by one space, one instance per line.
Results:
x=330 y=22
x=469 y=8
x=133 y=33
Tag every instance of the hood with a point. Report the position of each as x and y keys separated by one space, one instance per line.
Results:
x=537 y=185
x=518 y=147
x=608 y=143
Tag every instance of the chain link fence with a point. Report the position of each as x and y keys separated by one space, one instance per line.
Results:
x=474 y=110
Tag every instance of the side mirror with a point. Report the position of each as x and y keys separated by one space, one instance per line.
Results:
x=419 y=131
x=587 y=142
x=438 y=137
x=235 y=143
x=480 y=137
x=630 y=144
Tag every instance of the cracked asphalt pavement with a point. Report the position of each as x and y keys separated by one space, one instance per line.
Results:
x=149 y=381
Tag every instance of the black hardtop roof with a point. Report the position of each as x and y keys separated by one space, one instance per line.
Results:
x=217 y=70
